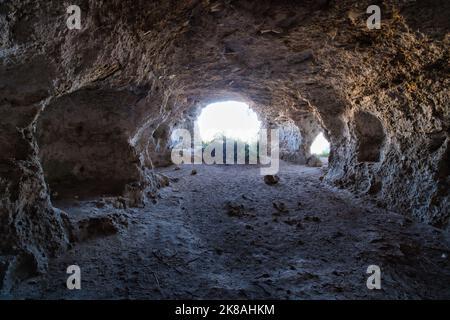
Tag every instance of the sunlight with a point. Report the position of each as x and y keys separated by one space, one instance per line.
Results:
x=230 y=118
x=320 y=146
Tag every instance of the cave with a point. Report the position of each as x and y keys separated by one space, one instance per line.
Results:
x=91 y=115
x=370 y=135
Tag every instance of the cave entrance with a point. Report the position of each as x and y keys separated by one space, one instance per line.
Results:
x=222 y=123
x=320 y=146
x=231 y=119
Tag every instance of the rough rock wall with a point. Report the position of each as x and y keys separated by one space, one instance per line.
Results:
x=52 y=122
x=297 y=137
x=137 y=68
x=31 y=230
x=83 y=140
x=395 y=84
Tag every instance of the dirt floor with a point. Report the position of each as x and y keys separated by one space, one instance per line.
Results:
x=225 y=234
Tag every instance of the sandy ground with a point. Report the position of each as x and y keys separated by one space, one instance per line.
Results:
x=223 y=233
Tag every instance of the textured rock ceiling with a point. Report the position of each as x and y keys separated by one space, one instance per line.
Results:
x=99 y=104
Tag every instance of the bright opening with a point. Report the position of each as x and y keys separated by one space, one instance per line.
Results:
x=231 y=119
x=320 y=146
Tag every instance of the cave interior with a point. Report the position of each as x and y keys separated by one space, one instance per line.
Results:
x=87 y=123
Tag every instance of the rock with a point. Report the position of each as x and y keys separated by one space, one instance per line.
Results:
x=134 y=195
x=20 y=267
x=119 y=203
x=104 y=117
x=280 y=206
x=94 y=227
x=375 y=187
x=312 y=218
x=100 y=204
x=193 y=172
x=301 y=57
x=353 y=16
x=234 y=210
x=293 y=135
x=271 y=179
x=314 y=161
x=164 y=181
x=238 y=210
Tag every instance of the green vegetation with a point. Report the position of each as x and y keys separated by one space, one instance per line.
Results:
x=324 y=154
x=251 y=150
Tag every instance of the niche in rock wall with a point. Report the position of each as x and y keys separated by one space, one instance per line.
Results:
x=84 y=144
x=370 y=137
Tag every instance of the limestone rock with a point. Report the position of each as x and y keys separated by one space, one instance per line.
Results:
x=93 y=110
x=314 y=161
x=271 y=179
x=101 y=226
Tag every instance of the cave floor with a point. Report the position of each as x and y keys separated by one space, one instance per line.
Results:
x=224 y=234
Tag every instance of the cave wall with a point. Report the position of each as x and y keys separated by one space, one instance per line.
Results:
x=31 y=230
x=110 y=94
x=296 y=138
x=399 y=77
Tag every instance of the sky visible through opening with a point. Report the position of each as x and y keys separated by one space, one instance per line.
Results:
x=320 y=146
x=233 y=119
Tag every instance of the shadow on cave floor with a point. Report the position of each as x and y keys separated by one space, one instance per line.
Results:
x=223 y=233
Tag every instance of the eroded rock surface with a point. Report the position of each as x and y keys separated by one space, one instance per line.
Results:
x=249 y=240
x=93 y=109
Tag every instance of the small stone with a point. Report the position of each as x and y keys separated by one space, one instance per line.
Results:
x=444 y=256
x=120 y=203
x=280 y=206
x=234 y=209
x=176 y=168
x=271 y=179
x=193 y=172
x=94 y=227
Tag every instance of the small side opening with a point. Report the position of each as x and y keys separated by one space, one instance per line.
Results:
x=320 y=146
x=371 y=136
